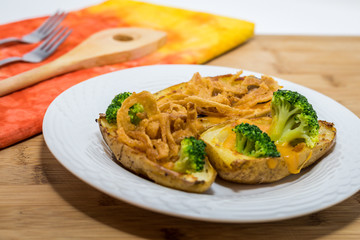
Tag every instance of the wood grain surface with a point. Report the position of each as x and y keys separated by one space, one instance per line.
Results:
x=40 y=199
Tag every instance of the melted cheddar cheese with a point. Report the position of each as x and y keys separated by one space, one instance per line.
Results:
x=295 y=157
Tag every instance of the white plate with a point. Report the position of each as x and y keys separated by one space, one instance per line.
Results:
x=72 y=135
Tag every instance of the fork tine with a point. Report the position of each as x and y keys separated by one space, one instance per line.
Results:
x=58 y=40
x=61 y=40
x=54 y=39
x=55 y=22
x=48 y=21
x=41 y=32
x=48 y=39
x=50 y=44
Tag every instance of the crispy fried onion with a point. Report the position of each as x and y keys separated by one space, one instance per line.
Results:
x=226 y=95
x=159 y=133
x=174 y=116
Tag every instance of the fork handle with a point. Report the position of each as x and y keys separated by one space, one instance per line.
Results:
x=8 y=40
x=10 y=60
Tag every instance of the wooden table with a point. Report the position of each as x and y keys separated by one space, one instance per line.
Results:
x=40 y=199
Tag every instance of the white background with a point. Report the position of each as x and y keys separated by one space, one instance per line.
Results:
x=279 y=17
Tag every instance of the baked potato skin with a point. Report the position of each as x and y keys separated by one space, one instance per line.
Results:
x=138 y=163
x=327 y=136
x=264 y=170
x=249 y=171
x=167 y=92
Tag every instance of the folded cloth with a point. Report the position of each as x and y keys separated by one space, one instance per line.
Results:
x=193 y=38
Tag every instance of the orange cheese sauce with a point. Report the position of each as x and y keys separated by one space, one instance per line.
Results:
x=295 y=160
x=293 y=156
x=272 y=163
x=229 y=143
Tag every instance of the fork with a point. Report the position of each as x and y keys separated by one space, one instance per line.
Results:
x=41 y=32
x=44 y=50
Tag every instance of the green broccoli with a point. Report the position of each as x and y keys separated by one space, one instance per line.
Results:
x=115 y=105
x=251 y=141
x=120 y=98
x=293 y=119
x=111 y=113
x=136 y=108
x=191 y=156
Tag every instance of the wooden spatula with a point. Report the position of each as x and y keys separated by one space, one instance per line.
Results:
x=110 y=46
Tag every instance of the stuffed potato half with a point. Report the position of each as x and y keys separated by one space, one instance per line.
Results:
x=138 y=163
x=236 y=167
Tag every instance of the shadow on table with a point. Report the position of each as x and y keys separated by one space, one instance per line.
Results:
x=146 y=224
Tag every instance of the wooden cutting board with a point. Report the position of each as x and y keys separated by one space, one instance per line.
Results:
x=40 y=199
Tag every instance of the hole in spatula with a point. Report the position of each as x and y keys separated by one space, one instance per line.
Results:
x=123 y=38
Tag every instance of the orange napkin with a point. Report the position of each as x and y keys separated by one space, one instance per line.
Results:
x=193 y=38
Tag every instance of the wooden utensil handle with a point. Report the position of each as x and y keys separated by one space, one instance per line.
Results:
x=110 y=46
x=33 y=76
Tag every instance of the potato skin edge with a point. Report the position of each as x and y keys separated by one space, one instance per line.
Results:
x=138 y=163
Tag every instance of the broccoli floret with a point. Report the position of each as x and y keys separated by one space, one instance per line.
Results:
x=111 y=113
x=251 y=141
x=120 y=98
x=136 y=108
x=191 y=156
x=115 y=105
x=293 y=119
